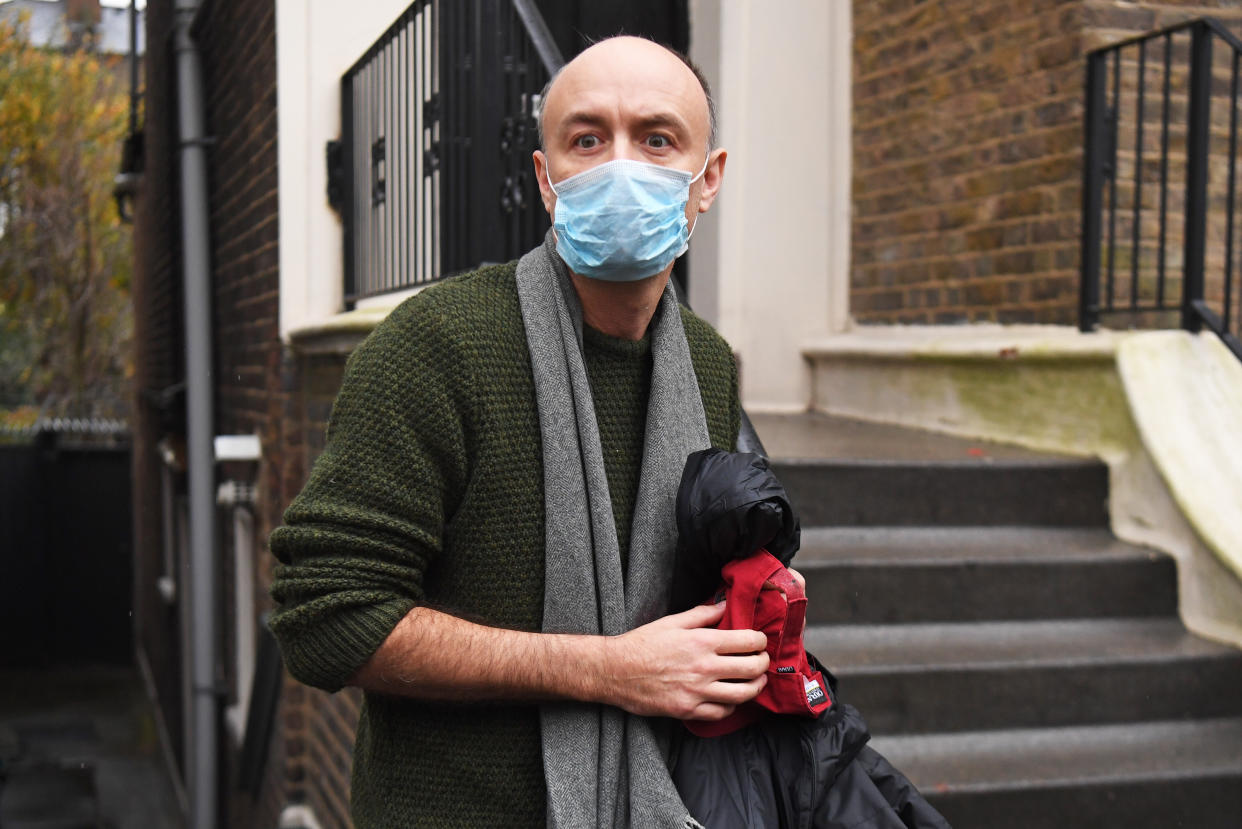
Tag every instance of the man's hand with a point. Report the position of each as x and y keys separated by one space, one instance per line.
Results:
x=681 y=667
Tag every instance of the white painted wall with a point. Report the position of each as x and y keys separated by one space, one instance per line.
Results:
x=316 y=41
x=770 y=268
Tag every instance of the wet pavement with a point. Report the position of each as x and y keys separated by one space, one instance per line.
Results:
x=79 y=748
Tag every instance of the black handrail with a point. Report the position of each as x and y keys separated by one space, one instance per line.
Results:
x=537 y=30
x=1116 y=176
x=432 y=174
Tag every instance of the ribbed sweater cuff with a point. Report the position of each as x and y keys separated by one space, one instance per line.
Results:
x=327 y=656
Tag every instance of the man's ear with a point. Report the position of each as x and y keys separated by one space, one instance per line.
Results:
x=713 y=175
x=541 y=175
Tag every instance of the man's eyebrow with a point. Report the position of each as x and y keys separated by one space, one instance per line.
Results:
x=669 y=120
x=582 y=117
x=665 y=119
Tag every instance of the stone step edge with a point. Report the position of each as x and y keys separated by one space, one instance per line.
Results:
x=1066 y=659
x=956 y=546
x=1037 y=748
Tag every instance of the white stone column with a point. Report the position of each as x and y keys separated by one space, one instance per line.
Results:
x=770 y=266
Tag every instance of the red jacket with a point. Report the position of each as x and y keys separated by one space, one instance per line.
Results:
x=761 y=594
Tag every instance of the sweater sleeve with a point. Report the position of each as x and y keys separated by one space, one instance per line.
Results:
x=359 y=538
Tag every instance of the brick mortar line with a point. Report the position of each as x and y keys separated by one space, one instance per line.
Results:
x=253 y=203
x=952 y=24
x=970 y=257
x=1003 y=224
x=888 y=191
x=973 y=114
x=935 y=210
x=931 y=58
x=239 y=172
x=969 y=121
x=927 y=282
x=1031 y=305
x=1040 y=305
x=959 y=282
x=1047 y=244
x=273 y=295
x=239 y=239
x=1037 y=132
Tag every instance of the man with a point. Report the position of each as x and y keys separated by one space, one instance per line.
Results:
x=484 y=545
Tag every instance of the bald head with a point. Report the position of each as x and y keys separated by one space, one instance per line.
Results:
x=629 y=55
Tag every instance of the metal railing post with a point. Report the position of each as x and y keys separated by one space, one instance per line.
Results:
x=486 y=171
x=348 y=222
x=1094 y=127
x=1197 y=148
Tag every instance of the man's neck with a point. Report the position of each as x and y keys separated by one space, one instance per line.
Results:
x=620 y=309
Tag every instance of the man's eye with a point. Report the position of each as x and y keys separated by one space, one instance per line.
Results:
x=586 y=142
x=657 y=142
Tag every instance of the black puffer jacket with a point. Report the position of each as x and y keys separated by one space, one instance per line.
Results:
x=781 y=771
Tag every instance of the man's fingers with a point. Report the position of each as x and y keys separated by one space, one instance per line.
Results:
x=710 y=711
x=740 y=641
x=743 y=667
x=700 y=616
x=735 y=693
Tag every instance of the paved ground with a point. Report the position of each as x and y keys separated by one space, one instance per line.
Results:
x=78 y=748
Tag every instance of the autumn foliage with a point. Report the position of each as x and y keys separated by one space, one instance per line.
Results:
x=65 y=258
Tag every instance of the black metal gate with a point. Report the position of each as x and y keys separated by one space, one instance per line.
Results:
x=432 y=175
x=65 y=561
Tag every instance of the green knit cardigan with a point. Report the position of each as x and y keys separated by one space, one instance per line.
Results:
x=430 y=490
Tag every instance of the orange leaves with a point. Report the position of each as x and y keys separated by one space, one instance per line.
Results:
x=65 y=260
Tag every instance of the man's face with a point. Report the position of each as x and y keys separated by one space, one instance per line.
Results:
x=627 y=98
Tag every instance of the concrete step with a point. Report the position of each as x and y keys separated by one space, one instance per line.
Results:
x=1040 y=492
x=843 y=472
x=872 y=575
x=1024 y=668
x=1157 y=774
x=819 y=436
x=963 y=677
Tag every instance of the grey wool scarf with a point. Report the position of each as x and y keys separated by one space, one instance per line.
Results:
x=603 y=766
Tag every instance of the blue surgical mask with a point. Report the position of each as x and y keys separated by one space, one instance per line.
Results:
x=622 y=221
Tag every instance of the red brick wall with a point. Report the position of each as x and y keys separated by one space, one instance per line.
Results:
x=238 y=42
x=966 y=160
x=967 y=153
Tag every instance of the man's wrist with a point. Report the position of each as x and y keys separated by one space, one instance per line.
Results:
x=589 y=659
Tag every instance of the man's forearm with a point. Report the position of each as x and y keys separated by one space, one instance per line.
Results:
x=436 y=656
x=677 y=666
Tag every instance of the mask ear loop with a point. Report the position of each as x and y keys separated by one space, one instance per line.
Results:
x=688 y=186
x=701 y=172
